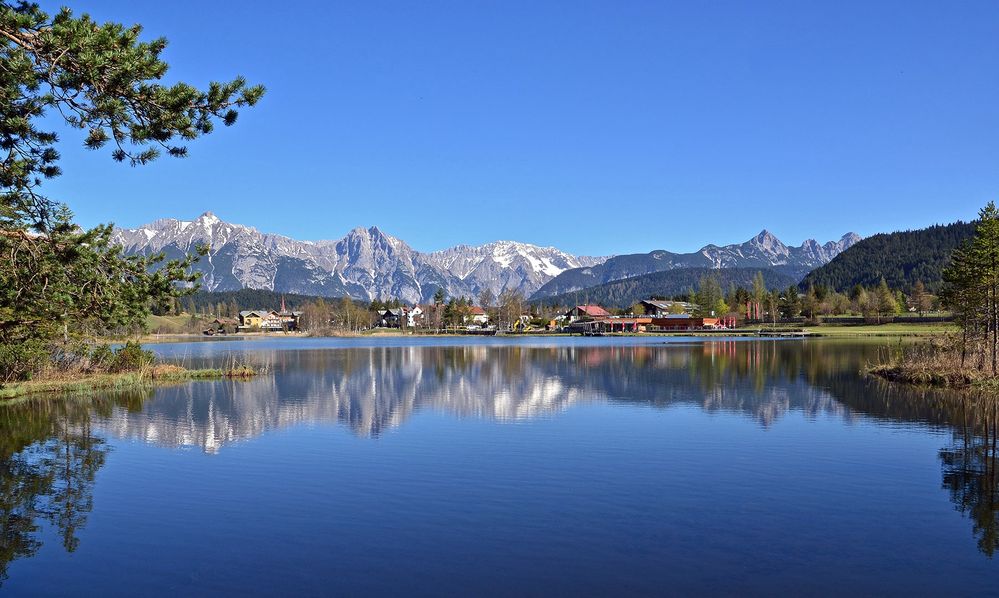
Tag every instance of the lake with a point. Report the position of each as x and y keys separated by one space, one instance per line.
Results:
x=529 y=466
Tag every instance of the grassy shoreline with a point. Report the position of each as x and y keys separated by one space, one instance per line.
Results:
x=84 y=383
x=889 y=330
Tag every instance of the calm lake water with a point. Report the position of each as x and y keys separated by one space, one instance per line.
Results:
x=505 y=467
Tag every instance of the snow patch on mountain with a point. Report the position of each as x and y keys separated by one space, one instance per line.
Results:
x=366 y=263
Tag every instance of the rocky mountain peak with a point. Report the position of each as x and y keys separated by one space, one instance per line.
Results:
x=767 y=241
x=366 y=262
x=848 y=240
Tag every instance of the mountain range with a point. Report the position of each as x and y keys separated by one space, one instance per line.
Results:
x=370 y=264
x=763 y=251
x=365 y=264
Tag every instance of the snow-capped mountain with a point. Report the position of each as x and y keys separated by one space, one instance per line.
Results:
x=366 y=263
x=762 y=251
x=370 y=264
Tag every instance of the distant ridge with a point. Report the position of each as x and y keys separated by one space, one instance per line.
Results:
x=764 y=251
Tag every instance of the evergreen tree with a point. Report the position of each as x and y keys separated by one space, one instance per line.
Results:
x=709 y=296
x=790 y=303
x=971 y=290
x=56 y=280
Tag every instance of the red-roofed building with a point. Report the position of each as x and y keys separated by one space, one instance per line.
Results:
x=477 y=315
x=587 y=312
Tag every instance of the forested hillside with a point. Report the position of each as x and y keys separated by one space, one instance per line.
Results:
x=622 y=293
x=231 y=302
x=901 y=258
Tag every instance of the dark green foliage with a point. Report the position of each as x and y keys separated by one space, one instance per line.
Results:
x=971 y=291
x=19 y=360
x=130 y=358
x=206 y=302
x=901 y=258
x=70 y=282
x=102 y=80
x=58 y=282
x=670 y=283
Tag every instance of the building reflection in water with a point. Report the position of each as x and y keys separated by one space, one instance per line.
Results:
x=50 y=450
x=374 y=389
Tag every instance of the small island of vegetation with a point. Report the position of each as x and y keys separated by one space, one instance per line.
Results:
x=971 y=291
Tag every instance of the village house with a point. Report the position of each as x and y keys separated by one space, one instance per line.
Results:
x=397 y=317
x=289 y=319
x=477 y=315
x=615 y=324
x=391 y=318
x=221 y=326
x=269 y=320
x=260 y=319
x=687 y=322
x=640 y=324
x=414 y=316
x=661 y=309
x=586 y=312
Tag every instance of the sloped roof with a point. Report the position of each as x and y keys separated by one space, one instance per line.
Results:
x=657 y=304
x=594 y=311
x=263 y=313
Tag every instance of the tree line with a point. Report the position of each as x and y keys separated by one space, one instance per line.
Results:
x=762 y=303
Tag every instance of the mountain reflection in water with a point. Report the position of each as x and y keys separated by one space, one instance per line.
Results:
x=51 y=450
x=372 y=390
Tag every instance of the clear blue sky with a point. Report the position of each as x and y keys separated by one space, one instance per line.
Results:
x=597 y=127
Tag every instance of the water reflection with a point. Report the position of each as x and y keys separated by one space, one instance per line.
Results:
x=375 y=389
x=51 y=450
x=49 y=456
x=971 y=469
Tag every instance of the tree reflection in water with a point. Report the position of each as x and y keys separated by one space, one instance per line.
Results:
x=970 y=471
x=49 y=453
x=49 y=457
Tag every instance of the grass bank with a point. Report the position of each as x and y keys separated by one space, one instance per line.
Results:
x=894 y=329
x=157 y=374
